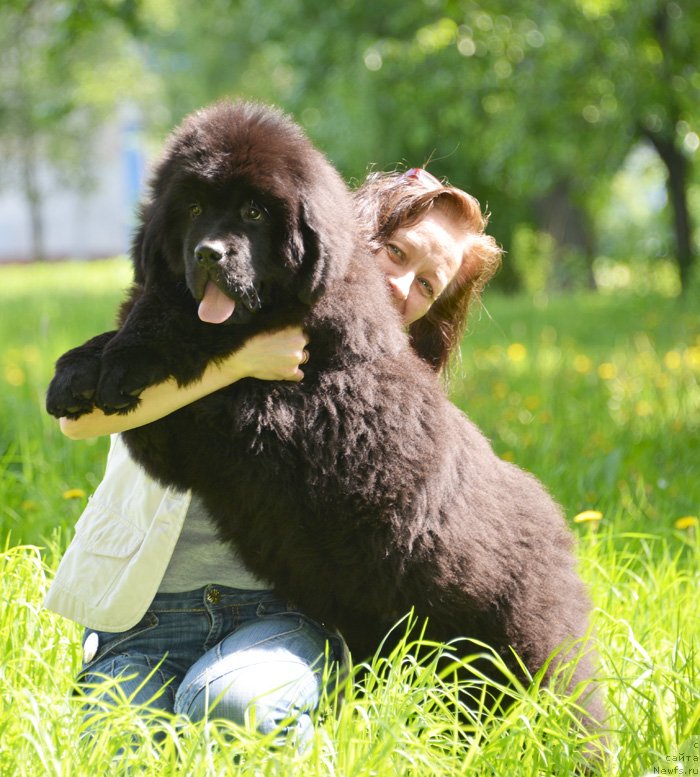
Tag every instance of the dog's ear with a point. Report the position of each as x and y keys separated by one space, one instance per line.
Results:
x=140 y=248
x=146 y=248
x=326 y=237
x=316 y=259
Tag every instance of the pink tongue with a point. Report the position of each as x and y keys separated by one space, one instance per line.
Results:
x=215 y=307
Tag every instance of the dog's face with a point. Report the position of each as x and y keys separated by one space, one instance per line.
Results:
x=231 y=252
x=247 y=212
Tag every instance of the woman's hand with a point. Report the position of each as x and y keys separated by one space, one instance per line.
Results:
x=267 y=356
x=270 y=356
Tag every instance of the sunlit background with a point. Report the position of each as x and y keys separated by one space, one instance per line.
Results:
x=574 y=122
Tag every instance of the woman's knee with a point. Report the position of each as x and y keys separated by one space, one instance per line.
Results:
x=266 y=675
x=250 y=688
x=130 y=679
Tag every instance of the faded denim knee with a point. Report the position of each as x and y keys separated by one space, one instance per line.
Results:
x=266 y=676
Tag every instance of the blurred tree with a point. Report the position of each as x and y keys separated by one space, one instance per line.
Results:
x=344 y=69
x=532 y=106
x=63 y=67
x=666 y=94
x=538 y=104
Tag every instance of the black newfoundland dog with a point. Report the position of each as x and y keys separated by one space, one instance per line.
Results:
x=361 y=492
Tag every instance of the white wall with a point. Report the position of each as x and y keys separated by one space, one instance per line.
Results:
x=81 y=224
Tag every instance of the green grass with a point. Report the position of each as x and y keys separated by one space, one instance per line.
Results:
x=597 y=395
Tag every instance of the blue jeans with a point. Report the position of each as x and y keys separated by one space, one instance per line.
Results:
x=246 y=656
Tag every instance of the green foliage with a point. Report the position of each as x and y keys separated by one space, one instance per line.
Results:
x=64 y=67
x=599 y=395
x=513 y=102
x=525 y=105
x=45 y=312
x=401 y=720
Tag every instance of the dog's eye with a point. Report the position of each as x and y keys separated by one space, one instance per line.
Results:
x=252 y=212
x=195 y=210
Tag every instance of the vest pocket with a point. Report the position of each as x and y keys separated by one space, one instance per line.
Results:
x=103 y=543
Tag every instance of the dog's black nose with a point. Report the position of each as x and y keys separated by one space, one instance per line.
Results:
x=209 y=252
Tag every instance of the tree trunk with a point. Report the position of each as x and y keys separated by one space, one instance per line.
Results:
x=665 y=145
x=32 y=194
x=677 y=188
x=561 y=217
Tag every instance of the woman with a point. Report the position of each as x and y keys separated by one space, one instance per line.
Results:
x=214 y=638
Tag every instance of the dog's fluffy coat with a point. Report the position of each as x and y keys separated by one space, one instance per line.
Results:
x=361 y=492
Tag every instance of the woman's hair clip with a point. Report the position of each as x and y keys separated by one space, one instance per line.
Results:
x=423 y=177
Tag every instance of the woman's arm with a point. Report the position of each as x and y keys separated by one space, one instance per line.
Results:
x=274 y=356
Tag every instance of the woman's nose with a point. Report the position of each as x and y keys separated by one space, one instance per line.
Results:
x=401 y=285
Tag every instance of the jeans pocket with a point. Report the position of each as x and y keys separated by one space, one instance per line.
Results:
x=107 y=642
x=272 y=605
x=337 y=649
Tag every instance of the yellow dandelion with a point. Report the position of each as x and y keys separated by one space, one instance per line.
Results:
x=686 y=522
x=74 y=493
x=596 y=440
x=494 y=353
x=517 y=352
x=499 y=390
x=31 y=354
x=692 y=357
x=643 y=408
x=14 y=375
x=582 y=364
x=508 y=456
x=532 y=402
x=607 y=371
x=672 y=360
x=594 y=517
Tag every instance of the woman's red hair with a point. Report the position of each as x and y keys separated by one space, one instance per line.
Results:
x=389 y=201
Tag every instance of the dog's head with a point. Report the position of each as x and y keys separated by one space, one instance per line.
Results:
x=246 y=211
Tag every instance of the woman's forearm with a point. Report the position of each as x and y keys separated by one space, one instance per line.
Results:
x=156 y=402
x=267 y=356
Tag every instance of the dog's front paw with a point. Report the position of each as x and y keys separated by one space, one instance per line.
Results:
x=72 y=390
x=124 y=376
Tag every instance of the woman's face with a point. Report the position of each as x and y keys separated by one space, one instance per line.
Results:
x=420 y=260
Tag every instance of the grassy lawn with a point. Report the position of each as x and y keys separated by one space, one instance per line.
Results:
x=598 y=395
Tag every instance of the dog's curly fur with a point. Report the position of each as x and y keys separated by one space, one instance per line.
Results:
x=361 y=492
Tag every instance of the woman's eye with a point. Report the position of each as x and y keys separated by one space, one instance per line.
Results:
x=395 y=252
x=195 y=210
x=426 y=288
x=252 y=212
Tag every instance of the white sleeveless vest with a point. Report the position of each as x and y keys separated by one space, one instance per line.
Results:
x=122 y=546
